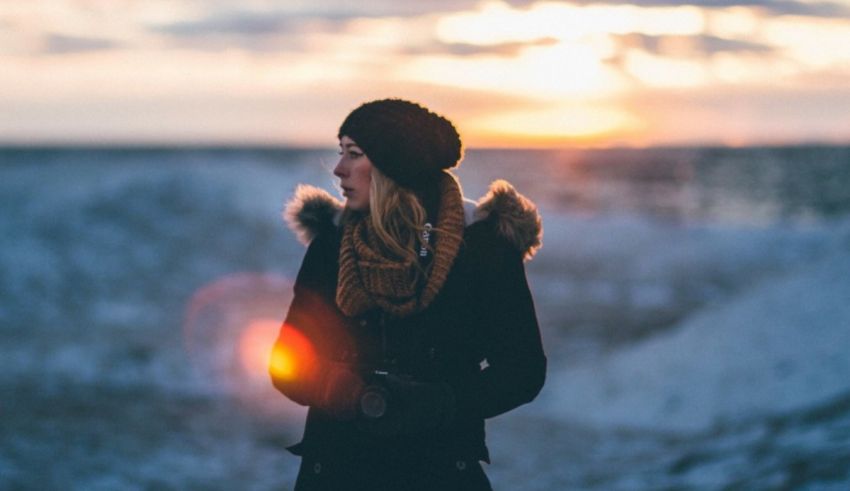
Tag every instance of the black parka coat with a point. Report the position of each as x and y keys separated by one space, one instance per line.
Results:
x=479 y=336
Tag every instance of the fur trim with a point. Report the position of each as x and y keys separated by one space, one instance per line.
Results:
x=309 y=211
x=517 y=217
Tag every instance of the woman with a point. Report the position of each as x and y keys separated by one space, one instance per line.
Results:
x=412 y=321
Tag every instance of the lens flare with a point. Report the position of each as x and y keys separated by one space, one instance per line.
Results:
x=292 y=355
x=254 y=342
x=282 y=363
x=237 y=344
x=230 y=327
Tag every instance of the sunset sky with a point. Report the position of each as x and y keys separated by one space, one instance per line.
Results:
x=518 y=73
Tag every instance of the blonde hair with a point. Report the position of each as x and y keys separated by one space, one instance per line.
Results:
x=397 y=218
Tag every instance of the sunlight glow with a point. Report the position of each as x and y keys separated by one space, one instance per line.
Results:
x=543 y=71
x=255 y=355
x=581 y=122
x=815 y=43
x=496 y=22
x=367 y=34
x=741 y=69
x=659 y=71
x=733 y=22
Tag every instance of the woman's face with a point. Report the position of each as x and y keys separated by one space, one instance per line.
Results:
x=354 y=171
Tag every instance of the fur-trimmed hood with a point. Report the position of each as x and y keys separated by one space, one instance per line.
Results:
x=312 y=209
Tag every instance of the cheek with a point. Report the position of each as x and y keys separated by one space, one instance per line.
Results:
x=365 y=176
x=365 y=186
x=367 y=181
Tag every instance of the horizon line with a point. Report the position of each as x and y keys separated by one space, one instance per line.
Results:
x=231 y=145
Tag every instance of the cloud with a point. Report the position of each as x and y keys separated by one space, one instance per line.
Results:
x=509 y=49
x=691 y=46
x=63 y=44
x=815 y=9
x=261 y=31
x=774 y=7
x=249 y=30
x=248 y=24
x=260 y=22
x=405 y=9
x=385 y=8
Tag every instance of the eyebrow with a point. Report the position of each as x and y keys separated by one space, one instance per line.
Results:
x=348 y=145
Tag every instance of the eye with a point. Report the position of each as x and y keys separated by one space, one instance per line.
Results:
x=352 y=154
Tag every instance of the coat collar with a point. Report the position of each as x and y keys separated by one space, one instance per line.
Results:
x=517 y=219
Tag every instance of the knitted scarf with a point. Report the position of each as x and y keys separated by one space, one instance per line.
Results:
x=368 y=279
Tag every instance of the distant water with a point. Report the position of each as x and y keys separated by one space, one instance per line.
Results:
x=727 y=184
x=692 y=303
x=763 y=184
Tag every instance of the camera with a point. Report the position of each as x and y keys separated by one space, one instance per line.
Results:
x=394 y=403
x=375 y=398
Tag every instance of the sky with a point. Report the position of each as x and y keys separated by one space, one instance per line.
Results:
x=522 y=73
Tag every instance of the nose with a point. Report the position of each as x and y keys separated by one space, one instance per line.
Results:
x=340 y=170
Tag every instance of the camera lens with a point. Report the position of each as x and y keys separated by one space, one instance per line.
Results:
x=373 y=402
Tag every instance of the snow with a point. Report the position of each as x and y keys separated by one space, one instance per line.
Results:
x=778 y=346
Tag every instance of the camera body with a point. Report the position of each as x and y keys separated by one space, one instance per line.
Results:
x=375 y=398
x=394 y=402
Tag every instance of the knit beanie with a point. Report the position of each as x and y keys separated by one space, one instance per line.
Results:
x=408 y=143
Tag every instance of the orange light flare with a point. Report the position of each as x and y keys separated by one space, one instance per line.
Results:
x=253 y=345
x=291 y=357
x=230 y=330
x=230 y=327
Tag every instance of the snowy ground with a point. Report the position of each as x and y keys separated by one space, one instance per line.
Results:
x=139 y=291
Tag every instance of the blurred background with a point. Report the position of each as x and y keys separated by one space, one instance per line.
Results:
x=691 y=162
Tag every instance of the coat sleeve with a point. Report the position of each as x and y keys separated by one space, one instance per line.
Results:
x=298 y=352
x=513 y=365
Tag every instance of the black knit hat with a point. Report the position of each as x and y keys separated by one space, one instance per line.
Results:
x=406 y=141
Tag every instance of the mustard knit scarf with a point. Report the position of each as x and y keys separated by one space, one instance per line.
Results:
x=368 y=279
